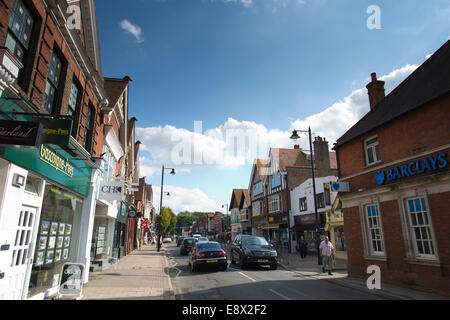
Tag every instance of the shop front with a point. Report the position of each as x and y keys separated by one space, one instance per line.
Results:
x=305 y=225
x=44 y=192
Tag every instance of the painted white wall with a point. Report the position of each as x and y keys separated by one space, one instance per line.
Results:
x=306 y=190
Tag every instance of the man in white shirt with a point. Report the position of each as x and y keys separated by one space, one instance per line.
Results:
x=327 y=253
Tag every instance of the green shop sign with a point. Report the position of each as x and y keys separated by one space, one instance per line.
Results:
x=54 y=163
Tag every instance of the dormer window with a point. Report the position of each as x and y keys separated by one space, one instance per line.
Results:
x=372 y=150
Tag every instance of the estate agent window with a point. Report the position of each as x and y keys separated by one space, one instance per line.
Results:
x=420 y=227
x=372 y=149
x=55 y=243
x=373 y=229
x=52 y=85
x=20 y=28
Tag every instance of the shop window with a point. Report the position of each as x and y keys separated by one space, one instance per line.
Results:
x=33 y=185
x=374 y=230
x=20 y=28
x=420 y=227
x=55 y=243
x=372 y=149
x=52 y=85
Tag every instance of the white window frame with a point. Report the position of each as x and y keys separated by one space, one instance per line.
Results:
x=368 y=231
x=262 y=188
x=428 y=226
x=372 y=146
x=272 y=200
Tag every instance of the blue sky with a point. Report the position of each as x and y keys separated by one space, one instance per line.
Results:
x=268 y=65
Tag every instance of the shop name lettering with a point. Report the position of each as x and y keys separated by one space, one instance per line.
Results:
x=59 y=131
x=17 y=132
x=416 y=167
x=56 y=161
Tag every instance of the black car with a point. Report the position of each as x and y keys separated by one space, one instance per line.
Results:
x=253 y=250
x=208 y=254
x=187 y=245
x=180 y=240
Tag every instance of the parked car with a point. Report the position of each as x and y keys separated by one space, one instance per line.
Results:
x=208 y=254
x=196 y=236
x=253 y=250
x=202 y=239
x=180 y=239
x=167 y=240
x=186 y=245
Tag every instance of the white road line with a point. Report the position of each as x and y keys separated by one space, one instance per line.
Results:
x=279 y=294
x=247 y=277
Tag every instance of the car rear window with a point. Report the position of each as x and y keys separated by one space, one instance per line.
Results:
x=209 y=245
x=189 y=241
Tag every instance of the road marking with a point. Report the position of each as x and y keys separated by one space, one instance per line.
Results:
x=279 y=294
x=247 y=277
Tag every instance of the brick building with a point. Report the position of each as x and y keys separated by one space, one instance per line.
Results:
x=395 y=160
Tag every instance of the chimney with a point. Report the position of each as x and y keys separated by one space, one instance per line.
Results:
x=376 y=91
x=321 y=154
x=296 y=147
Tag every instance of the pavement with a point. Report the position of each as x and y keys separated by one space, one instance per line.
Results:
x=309 y=267
x=141 y=275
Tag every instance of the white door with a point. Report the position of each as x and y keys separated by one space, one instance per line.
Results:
x=22 y=250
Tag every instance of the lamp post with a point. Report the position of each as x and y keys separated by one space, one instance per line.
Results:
x=223 y=206
x=295 y=137
x=158 y=229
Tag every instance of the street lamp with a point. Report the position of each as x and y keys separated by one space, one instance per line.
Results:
x=223 y=206
x=172 y=172
x=295 y=137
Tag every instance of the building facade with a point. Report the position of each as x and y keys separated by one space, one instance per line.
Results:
x=395 y=160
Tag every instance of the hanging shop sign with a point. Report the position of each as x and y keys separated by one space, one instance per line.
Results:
x=429 y=164
x=340 y=186
x=132 y=214
x=56 y=131
x=20 y=133
x=111 y=190
x=71 y=279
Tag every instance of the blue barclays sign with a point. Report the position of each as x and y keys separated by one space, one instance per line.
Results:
x=413 y=168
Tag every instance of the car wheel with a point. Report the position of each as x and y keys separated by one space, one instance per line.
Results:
x=224 y=267
x=242 y=262
x=193 y=268
x=232 y=260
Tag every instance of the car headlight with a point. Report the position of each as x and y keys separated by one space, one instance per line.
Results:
x=273 y=253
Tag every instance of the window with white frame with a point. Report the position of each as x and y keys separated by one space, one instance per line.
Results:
x=274 y=204
x=258 y=188
x=109 y=167
x=372 y=149
x=374 y=230
x=256 y=208
x=420 y=226
x=276 y=180
x=303 y=205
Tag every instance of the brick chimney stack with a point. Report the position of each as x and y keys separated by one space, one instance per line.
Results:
x=321 y=154
x=376 y=91
x=297 y=147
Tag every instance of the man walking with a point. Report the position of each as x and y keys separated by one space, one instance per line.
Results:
x=327 y=254
x=302 y=247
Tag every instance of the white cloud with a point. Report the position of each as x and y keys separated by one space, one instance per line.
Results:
x=134 y=29
x=182 y=199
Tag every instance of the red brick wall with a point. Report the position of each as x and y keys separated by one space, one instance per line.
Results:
x=45 y=39
x=420 y=131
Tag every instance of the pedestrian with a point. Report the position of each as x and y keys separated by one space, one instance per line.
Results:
x=302 y=247
x=327 y=253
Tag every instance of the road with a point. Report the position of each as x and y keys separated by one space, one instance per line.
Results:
x=253 y=283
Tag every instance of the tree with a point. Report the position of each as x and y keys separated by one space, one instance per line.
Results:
x=168 y=221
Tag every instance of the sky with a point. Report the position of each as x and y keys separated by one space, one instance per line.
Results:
x=216 y=83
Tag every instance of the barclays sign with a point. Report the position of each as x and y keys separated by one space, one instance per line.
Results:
x=429 y=164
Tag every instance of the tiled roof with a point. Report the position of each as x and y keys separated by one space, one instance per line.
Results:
x=430 y=81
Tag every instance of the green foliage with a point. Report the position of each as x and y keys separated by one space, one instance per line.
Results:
x=168 y=221
x=186 y=218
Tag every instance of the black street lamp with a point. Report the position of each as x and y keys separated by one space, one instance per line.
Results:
x=295 y=137
x=158 y=229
